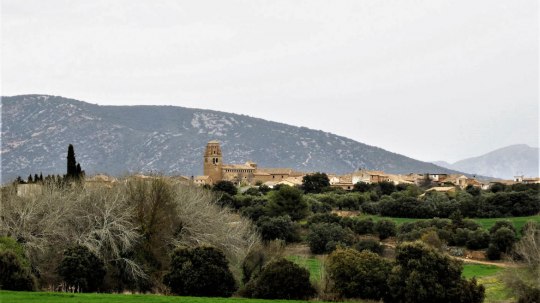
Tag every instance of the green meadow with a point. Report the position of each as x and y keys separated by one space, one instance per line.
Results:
x=486 y=223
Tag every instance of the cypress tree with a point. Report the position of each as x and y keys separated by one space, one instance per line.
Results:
x=36 y=178
x=79 y=171
x=71 y=162
x=30 y=179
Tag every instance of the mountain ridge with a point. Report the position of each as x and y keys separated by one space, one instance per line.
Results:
x=114 y=139
x=505 y=162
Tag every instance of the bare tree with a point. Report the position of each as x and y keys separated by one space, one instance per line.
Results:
x=524 y=281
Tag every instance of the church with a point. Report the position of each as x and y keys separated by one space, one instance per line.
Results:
x=241 y=174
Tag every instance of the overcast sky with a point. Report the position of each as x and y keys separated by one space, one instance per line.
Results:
x=434 y=80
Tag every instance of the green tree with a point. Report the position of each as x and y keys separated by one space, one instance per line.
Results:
x=226 y=187
x=502 y=223
x=201 y=272
x=13 y=275
x=385 y=188
x=325 y=237
x=422 y=274
x=362 y=187
x=282 y=228
x=82 y=268
x=315 y=183
x=358 y=274
x=504 y=238
x=281 y=279
x=15 y=272
x=385 y=228
x=287 y=201
x=371 y=245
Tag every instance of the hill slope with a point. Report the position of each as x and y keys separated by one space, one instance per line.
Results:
x=36 y=130
x=505 y=162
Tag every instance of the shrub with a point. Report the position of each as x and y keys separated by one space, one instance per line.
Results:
x=226 y=187
x=361 y=187
x=372 y=208
x=82 y=268
x=281 y=279
x=478 y=239
x=349 y=201
x=493 y=252
x=287 y=201
x=422 y=274
x=282 y=227
x=315 y=183
x=432 y=239
x=324 y=237
x=369 y=245
x=504 y=238
x=324 y=218
x=358 y=274
x=500 y=224
x=385 y=228
x=13 y=275
x=201 y=272
x=364 y=226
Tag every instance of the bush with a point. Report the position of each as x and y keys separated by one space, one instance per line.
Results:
x=281 y=279
x=504 y=238
x=324 y=237
x=362 y=187
x=422 y=274
x=201 y=272
x=13 y=275
x=226 y=187
x=358 y=274
x=364 y=226
x=478 y=239
x=315 y=183
x=283 y=228
x=287 y=201
x=493 y=252
x=500 y=224
x=432 y=239
x=370 y=245
x=385 y=228
x=82 y=268
x=324 y=218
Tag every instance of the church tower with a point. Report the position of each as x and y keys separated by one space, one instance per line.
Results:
x=213 y=161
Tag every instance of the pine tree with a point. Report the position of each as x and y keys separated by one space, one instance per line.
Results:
x=71 y=162
x=41 y=177
x=36 y=178
x=30 y=179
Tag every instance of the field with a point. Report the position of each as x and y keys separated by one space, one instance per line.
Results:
x=480 y=270
x=47 y=297
x=314 y=265
x=485 y=222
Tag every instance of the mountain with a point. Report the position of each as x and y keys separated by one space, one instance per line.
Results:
x=37 y=129
x=504 y=163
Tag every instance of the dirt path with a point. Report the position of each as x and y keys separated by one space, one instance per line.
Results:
x=499 y=264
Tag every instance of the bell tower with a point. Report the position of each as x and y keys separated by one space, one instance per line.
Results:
x=213 y=161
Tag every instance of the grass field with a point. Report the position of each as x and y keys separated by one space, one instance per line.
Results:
x=314 y=265
x=480 y=270
x=485 y=222
x=47 y=297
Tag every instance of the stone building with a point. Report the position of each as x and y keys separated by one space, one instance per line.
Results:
x=248 y=173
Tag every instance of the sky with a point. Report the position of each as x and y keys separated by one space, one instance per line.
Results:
x=432 y=79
